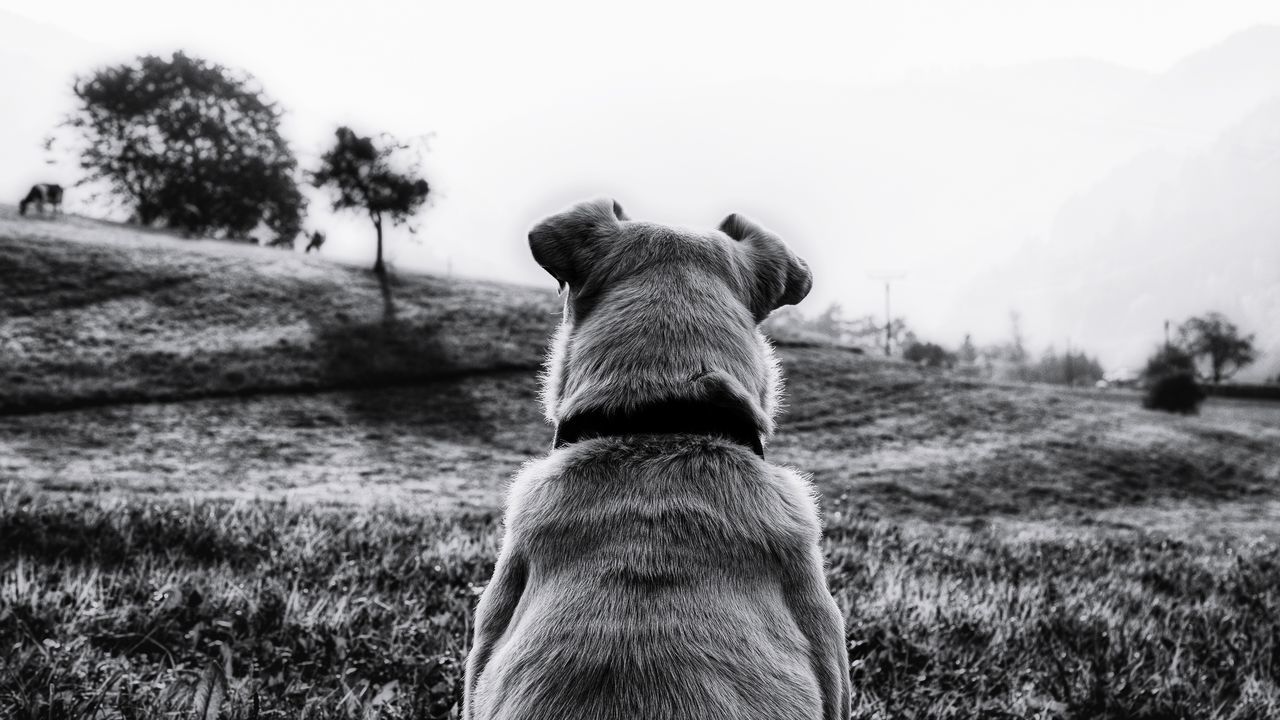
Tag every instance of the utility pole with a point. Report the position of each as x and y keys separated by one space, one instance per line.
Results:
x=1166 y=336
x=888 y=316
x=1071 y=381
x=888 y=321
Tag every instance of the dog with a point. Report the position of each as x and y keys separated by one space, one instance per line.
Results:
x=654 y=565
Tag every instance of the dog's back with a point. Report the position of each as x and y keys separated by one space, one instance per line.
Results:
x=670 y=578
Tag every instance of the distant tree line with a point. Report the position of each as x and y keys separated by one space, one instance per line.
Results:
x=1072 y=367
x=1207 y=349
x=190 y=144
x=832 y=327
x=1009 y=360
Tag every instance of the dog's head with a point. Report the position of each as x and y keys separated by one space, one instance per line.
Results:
x=655 y=313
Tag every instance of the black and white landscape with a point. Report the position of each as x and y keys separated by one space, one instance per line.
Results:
x=243 y=474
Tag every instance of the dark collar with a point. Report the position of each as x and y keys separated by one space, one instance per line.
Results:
x=670 y=417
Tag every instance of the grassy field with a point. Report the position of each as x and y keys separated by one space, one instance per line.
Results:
x=95 y=313
x=309 y=540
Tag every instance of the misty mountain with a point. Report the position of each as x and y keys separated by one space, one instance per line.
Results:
x=1215 y=87
x=1173 y=232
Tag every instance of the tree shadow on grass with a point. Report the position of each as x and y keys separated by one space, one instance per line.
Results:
x=412 y=380
x=371 y=348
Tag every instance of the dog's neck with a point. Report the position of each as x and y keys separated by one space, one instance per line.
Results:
x=721 y=380
x=668 y=417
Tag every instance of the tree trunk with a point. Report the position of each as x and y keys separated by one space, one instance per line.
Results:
x=378 y=267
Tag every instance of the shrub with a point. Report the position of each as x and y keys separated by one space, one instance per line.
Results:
x=1178 y=393
x=929 y=355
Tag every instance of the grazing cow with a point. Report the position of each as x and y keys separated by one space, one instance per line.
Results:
x=42 y=194
x=654 y=564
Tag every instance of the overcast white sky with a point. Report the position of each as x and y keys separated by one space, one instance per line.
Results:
x=465 y=42
x=684 y=111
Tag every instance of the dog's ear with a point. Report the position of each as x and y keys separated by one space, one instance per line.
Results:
x=780 y=277
x=567 y=245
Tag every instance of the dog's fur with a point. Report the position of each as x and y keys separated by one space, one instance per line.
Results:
x=42 y=194
x=659 y=576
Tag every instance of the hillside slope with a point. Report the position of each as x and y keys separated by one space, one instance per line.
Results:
x=93 y=313
x=878 y=438
x=298 y=378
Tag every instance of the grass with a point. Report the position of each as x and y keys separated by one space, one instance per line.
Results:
x=95 y=313
x=302 y=611
x=310 y=542
x=320 y=613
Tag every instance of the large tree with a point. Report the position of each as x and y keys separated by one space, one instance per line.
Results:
x=363 y=175
x=188 y=143
x=1217 y=342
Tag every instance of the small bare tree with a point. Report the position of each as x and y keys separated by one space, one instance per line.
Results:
x=363 y=175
